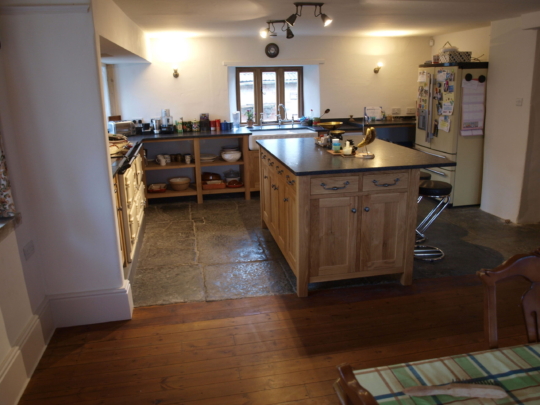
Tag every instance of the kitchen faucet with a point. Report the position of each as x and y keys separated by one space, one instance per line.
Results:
x=280 y=121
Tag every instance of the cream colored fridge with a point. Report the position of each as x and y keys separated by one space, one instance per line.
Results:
x=450 y=124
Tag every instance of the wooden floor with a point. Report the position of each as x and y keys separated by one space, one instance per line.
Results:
x=265 y=350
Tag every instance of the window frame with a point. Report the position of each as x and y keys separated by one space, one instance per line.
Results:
x=280 y=90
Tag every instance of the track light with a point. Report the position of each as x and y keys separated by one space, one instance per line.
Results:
x=291 y=20
x=378 y=67
x=270 y=31
x=317 y=13
x=326 y=20
x=289 y=34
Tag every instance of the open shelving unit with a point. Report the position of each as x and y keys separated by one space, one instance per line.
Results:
x=195 y=189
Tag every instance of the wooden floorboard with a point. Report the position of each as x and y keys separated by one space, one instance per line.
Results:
x=266 y=350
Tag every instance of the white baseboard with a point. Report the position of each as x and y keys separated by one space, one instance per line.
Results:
x=92 y=306
x=22 y=359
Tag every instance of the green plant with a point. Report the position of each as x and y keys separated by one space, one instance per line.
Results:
x=249 y=115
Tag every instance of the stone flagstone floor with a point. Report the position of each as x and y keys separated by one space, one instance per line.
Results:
x=217 y=250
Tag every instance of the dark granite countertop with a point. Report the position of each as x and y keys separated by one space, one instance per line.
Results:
x=117 y=163
x=303 y=157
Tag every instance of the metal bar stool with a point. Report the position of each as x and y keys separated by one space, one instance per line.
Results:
x=439 y=190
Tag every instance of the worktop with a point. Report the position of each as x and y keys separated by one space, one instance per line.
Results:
x=337 y=218
x=302 y=157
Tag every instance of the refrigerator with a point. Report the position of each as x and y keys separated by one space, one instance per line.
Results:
x=450 y=124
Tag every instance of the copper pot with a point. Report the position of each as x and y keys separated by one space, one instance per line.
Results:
x=210 y=176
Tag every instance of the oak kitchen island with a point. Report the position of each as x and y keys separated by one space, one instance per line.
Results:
x=337 y=217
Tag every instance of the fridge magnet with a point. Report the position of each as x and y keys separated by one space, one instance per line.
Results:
x=446 y=85
x=451 y=88
x=439 y=109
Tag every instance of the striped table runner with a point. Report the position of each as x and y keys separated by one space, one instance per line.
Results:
x=516 y=369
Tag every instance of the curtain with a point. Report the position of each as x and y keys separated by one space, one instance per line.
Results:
x=7 y=207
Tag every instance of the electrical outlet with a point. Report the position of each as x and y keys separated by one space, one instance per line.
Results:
x=396 y=111
x=519 y=102
x=29 y=250
x=136 y=119
x=411 y=110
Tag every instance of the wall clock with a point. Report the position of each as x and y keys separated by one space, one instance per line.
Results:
x=271 y=50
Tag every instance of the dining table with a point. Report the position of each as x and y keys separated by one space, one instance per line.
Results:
x=516 y=369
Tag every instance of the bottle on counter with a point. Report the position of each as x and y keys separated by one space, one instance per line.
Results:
x=179 y=127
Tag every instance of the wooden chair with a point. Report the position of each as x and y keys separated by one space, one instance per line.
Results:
x=526 y=266
x=349 y=390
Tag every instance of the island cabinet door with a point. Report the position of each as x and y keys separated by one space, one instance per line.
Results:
x=266 y=193
x=383 y=232
x=333 y=237
x=290 y=226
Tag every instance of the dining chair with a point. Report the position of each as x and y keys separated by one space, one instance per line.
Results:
x=522 y=265
x=349 y=390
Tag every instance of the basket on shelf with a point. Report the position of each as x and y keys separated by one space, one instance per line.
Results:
x=454 y=57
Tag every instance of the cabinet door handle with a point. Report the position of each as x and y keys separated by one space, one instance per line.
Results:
x=264 y=156
x=285 y=200
x=265 y=177
x=366 y=209
x=289 y=182
x=271 y=163
x=386 y=184
x=335 y=188
x=279 y=171
x=353 y=210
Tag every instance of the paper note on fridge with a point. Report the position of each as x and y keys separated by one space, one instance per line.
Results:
x=447 y=108
x=444 y=123
x=422 y=77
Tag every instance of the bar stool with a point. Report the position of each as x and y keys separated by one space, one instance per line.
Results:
x=439 y=190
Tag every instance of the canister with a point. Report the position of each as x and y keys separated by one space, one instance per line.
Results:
x=218 y=125
x=186 y=125
x=195 y=126
x=225 y=126
x=213 y=125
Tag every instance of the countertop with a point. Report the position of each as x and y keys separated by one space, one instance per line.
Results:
x=303 y=157
x=117 y=163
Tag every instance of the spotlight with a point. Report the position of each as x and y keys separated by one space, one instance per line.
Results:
x=289 y=34
x=378 y=67
x=264 y=32
x=326 y=20
x=291 y=20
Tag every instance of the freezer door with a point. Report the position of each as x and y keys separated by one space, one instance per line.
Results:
x=423 y=122
x=447 y=90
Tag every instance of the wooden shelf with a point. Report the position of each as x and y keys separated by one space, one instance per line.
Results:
x=172 y=193
x=172 y=165
x=225 y=190
x=221 y=162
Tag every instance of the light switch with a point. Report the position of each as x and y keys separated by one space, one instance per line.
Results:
x=519 y=102
x=396 y=111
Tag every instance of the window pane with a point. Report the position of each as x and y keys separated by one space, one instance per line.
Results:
x=247 y=94
x=291 y=94
x=269 y=95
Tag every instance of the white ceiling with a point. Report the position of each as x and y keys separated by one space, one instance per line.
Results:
x=214 y=18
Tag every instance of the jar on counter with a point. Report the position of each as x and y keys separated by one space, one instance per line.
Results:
x=186 y=125
x=195 y=126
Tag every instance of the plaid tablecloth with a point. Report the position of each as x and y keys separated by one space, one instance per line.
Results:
x=516 y=369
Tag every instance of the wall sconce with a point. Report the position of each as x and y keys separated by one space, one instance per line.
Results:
x=271 y=29
x=175 y=72
x=378 y=67
x=325 y=19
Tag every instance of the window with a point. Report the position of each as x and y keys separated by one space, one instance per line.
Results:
x=264 y=89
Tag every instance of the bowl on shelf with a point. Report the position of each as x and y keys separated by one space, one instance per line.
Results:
x=231 y=156
x=210 y=176
x=330 y=125
x=179 y=183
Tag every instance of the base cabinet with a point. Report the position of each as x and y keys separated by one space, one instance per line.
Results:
x=347 y=225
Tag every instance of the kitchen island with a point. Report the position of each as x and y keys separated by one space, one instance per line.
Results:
x=337 y=218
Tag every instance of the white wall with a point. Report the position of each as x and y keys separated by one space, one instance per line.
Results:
x=56 y=149
x=476 y=41
x=347 y=82
x=113 y=24
x=511 y=72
